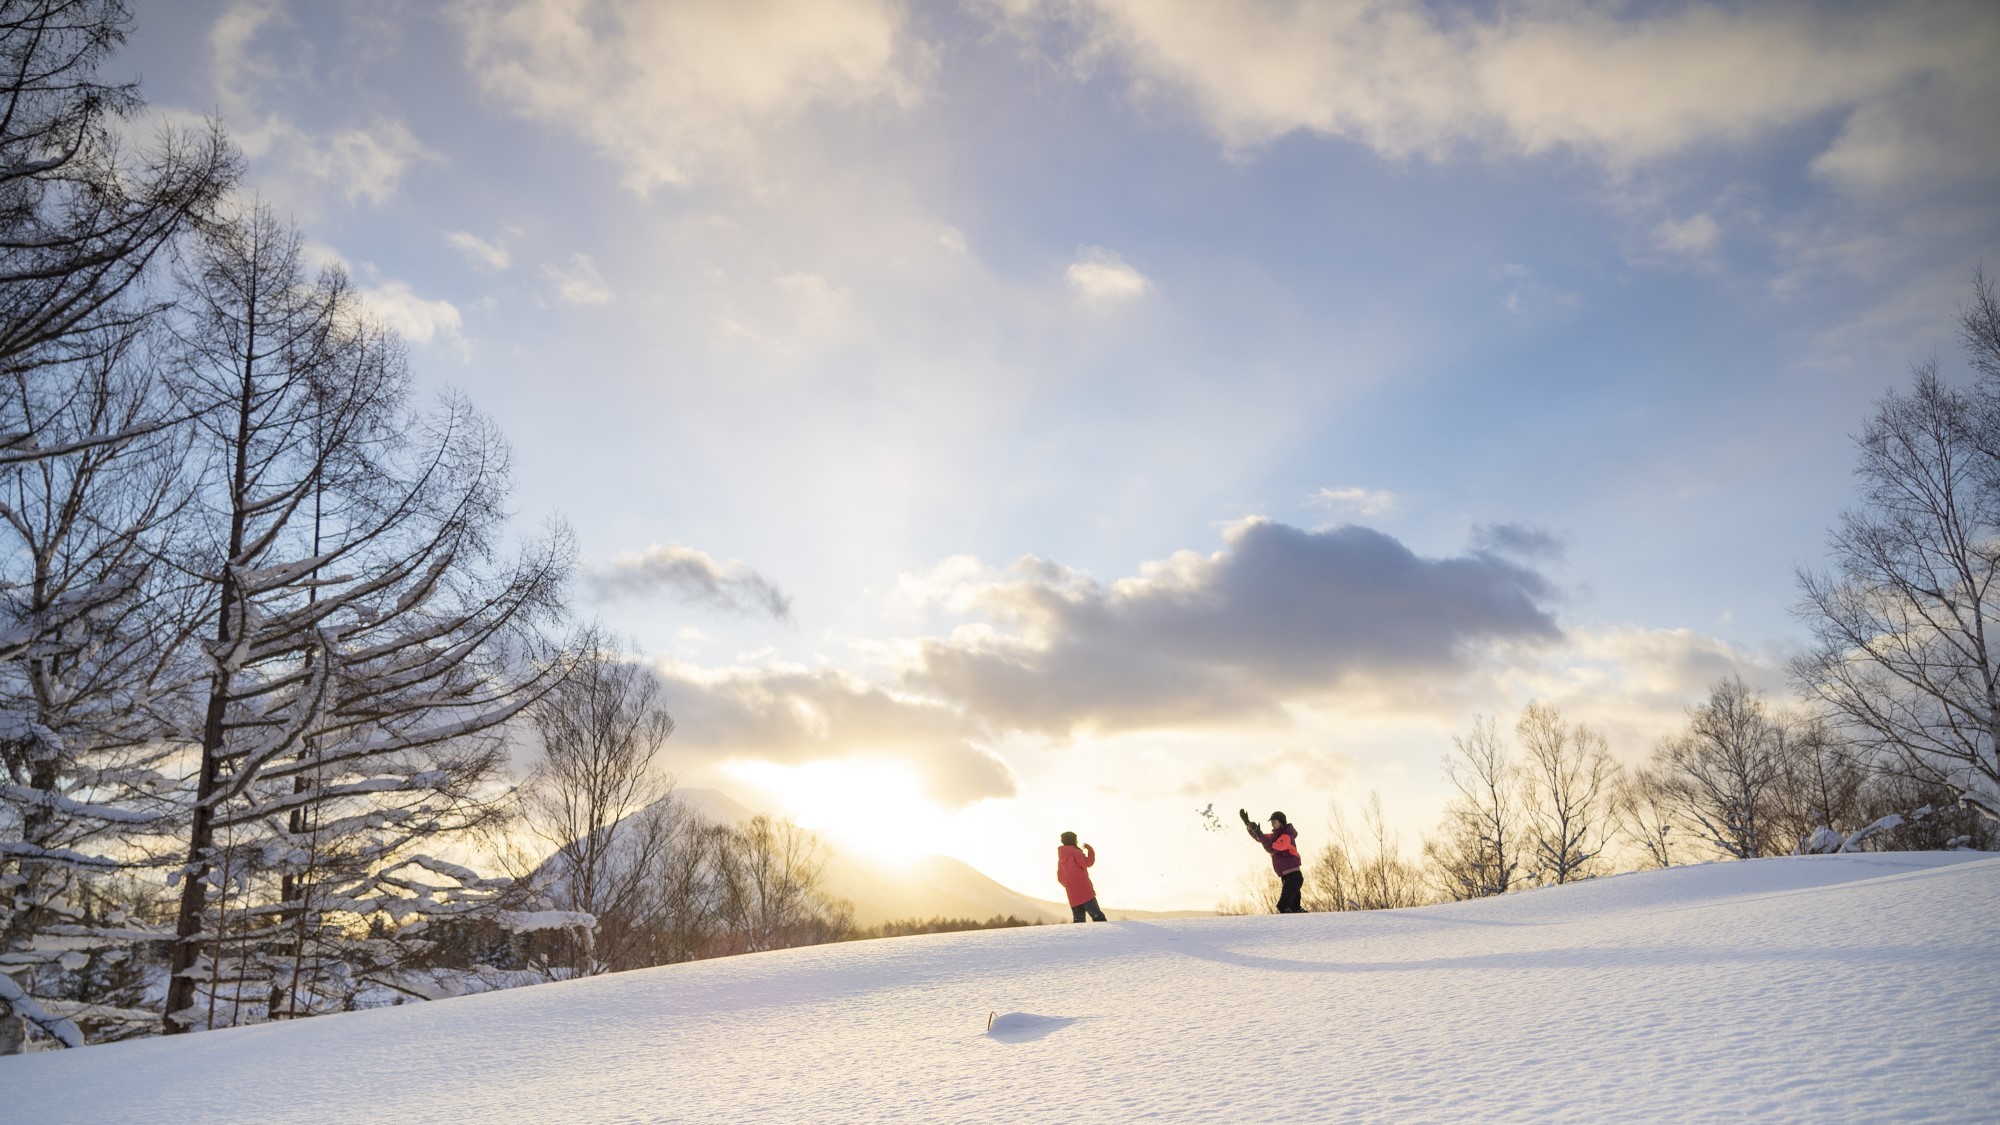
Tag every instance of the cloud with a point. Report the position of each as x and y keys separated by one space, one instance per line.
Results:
x=1526 y=294
x=1100 y=278
x=684 y=92
x=1694 y=237
x=1360 y=501
x=1636 y=683
x=395 y=305
x=363 y=162
x=791 y=716
x=580 y=284
x=1618 y=84
x=481 y=253
x=691 y=576
x=416 y=319
x=1279 y=616
x=1516 y=540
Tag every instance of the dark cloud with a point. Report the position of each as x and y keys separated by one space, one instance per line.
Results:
x=791 y=717
x=691 y=576
x=1282 y=614
x=1517 y=540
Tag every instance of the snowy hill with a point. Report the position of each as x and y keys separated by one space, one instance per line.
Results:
x=926 y=887
x=1826 y=988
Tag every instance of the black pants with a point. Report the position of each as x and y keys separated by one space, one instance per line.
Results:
x=1288 y=897
x=1080 y=909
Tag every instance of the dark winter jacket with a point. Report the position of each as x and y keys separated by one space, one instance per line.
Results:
x=1283 y=846
x=1070 y=865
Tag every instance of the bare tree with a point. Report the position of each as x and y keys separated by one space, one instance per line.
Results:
x=365 y=642
x=1905 y=624
x=1723 y=778
x=1644 y=815
x=97 y=630
x=81 y=221
x=685 y=908
x=1821 y=793
x=771 y=873
x=1364 y=871
x=1568 y=786
x=1476 y=852
x=597 y=797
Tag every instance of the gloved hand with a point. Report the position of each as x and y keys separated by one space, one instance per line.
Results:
x=1245 y=814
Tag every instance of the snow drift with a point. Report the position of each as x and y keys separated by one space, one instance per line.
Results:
x=1820 y=988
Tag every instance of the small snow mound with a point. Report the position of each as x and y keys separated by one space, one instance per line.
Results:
x=1022 y=1027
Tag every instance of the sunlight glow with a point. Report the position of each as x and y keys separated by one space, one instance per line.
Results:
x=872 y=806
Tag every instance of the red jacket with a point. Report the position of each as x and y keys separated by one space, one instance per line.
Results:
x=1071 y=864
x=1283 y=846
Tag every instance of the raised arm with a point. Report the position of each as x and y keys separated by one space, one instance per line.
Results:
x=1089 y=856
x=1263 y=840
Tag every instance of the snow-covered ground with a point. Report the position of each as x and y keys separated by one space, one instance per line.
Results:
x=1827 y=988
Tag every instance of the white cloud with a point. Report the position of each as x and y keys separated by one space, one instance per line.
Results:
x=1695 y=236
x=1621 y=85
x=395 y=304
x=580 y=284
x=1100 y=278
x=478 y=251
x=1361 y=501
x=414 y=318
x=684 y=92
x=360 y=161
x=792 y=716
x=1637 y=683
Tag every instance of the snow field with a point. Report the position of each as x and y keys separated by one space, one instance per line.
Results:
x=1829 y=988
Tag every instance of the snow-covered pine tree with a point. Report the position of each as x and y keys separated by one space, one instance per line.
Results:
x=365 y=639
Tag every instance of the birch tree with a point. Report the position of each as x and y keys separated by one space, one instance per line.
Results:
x=1723 y=778
x=1905 y=623
x=770 y=878
x=1477 y=850
x=1364 y=871
x=599 y=799
x=1567 y=781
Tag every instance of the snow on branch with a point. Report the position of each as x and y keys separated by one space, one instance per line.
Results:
x=23 y=1005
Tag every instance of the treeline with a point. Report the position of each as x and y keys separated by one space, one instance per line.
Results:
x=1550 y=805
x=1893 y=742
x=913 y=926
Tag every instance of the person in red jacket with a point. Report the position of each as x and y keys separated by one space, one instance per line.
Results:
x=1282 y=841
x=1073 y=872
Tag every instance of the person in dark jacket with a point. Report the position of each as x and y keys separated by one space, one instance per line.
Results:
x=1282 y=841
x=1073 y=872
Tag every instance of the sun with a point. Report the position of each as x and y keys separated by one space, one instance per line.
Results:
x=868 y=805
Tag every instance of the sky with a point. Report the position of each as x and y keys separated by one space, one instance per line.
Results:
x=1003 y=417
